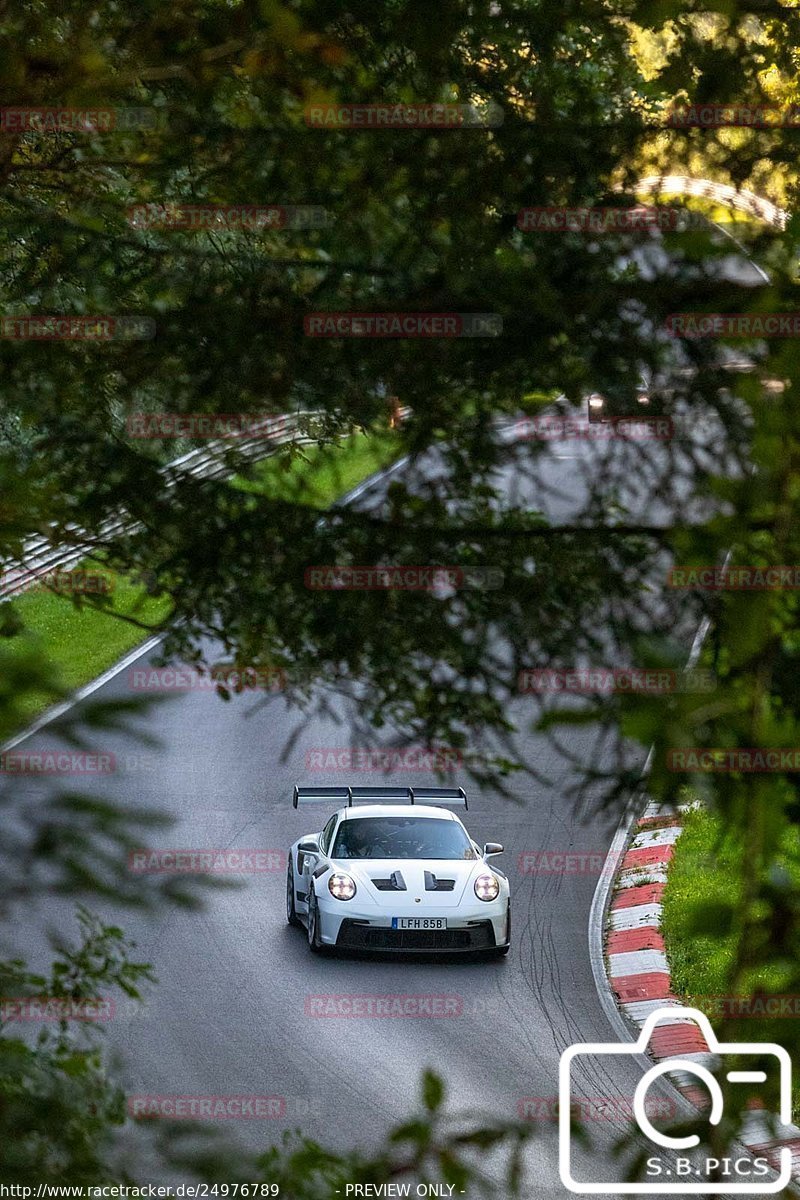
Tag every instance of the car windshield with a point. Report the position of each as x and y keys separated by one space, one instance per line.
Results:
x=401 y=837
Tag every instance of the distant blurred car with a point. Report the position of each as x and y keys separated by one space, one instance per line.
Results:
x=651 y=400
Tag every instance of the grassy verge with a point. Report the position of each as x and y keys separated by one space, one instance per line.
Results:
x=734 y=220
x=318 y=475
x=704 y=885
x=532 y=402
x=81 y=641
x=703 y=888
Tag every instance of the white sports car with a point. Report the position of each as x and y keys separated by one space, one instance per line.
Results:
x=396 y=876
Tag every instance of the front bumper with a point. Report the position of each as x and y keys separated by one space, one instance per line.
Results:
x=478 y=926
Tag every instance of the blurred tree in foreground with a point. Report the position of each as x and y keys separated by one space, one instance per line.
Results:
x=418 y=220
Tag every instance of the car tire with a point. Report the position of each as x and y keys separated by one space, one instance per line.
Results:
x=312 y=925
x=291 y=911
x=505 y=949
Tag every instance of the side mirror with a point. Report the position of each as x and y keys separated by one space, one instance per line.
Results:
x=310 y=846
x=492 y=848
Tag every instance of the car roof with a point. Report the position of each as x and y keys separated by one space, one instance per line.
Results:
x=396 y=810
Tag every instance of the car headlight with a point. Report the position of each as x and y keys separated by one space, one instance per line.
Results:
x=487 y=887
x=341 y=887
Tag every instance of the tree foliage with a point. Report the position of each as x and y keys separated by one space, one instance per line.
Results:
x=420 y=220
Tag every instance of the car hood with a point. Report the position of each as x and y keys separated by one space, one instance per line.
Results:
x=373 y=875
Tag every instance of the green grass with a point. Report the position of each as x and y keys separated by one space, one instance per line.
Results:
x=531 y=402
x=703 y=889
x=81 y=641
x=732 y=219
x=702 y=879
x=318 y=475
x=704 y=885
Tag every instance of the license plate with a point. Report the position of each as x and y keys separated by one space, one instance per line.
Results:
x=419 y=923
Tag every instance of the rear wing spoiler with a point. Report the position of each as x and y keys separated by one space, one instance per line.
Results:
x=379 y=795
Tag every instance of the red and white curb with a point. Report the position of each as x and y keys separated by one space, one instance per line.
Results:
x=638 y=971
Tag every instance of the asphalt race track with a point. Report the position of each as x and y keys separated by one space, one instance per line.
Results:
x=230 y=1014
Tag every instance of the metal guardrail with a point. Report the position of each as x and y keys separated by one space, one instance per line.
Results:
x=208 y=462
x=41 y=556
x=722 y=193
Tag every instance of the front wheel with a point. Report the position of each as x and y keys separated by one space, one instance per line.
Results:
x=505 y=949
x=291 y=911
x=314 y=942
